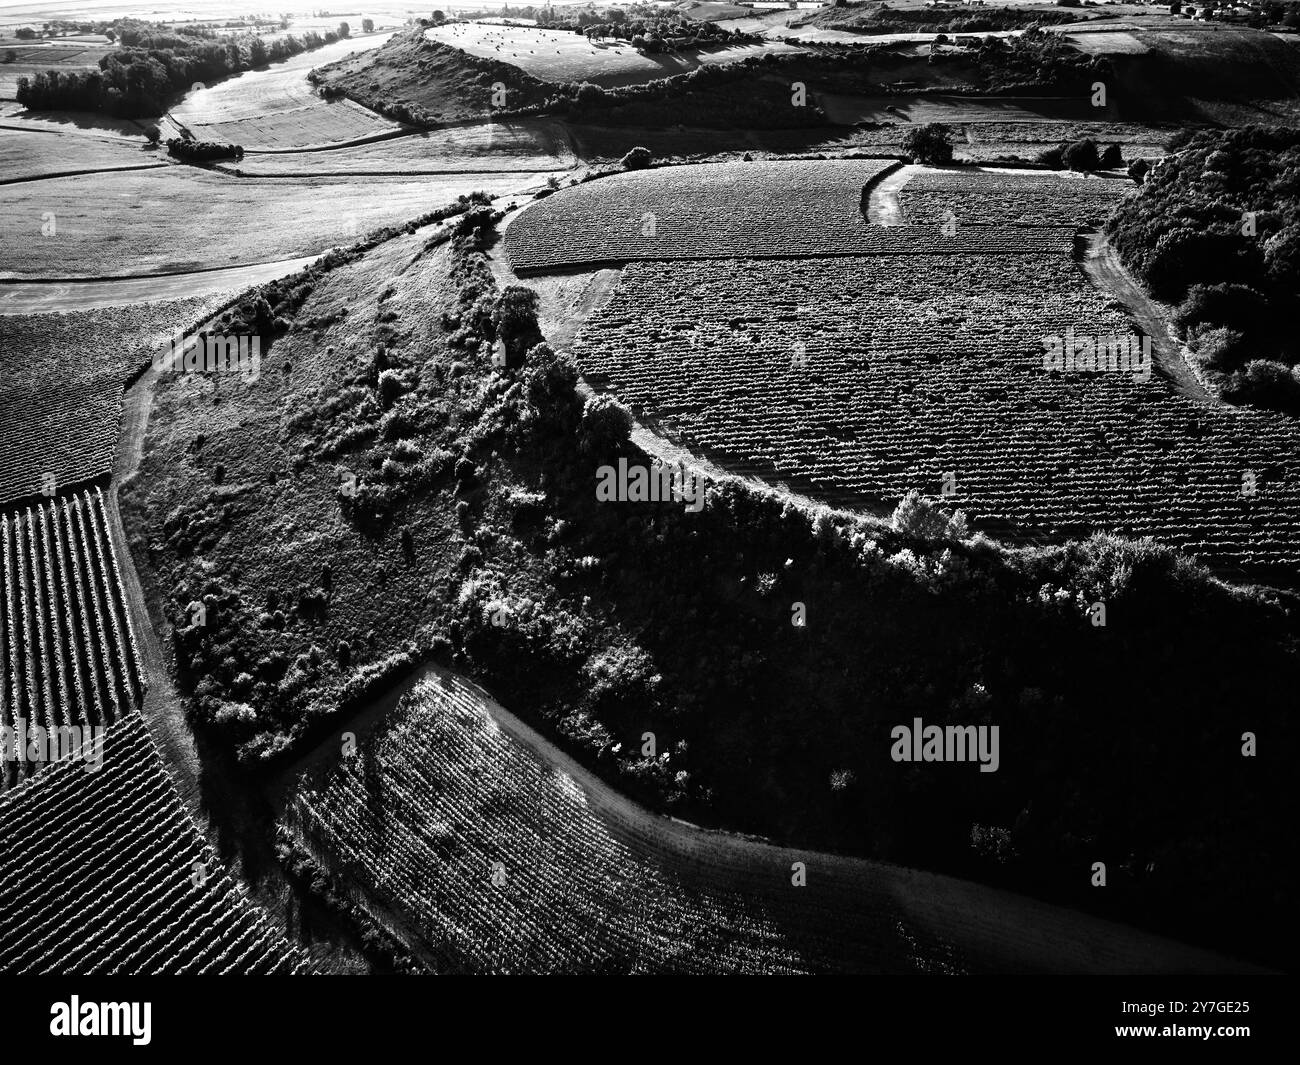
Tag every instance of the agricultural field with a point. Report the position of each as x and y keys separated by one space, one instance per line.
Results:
x=995 y=197
x=846 y=110
x=24 y=156
x=988 y=141
x=68 y=655
x=504 y=856
x=867 y=377
x=70 y=431
x=103 y=872
x=729 y=210
x=141 y=222
x=279 y=109
x=556 y=56
x=492 y=147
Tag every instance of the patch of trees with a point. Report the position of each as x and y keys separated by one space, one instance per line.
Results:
x=153 y=65
x=1083 y=155
x=1216 y=230
x=883 y=19
x=191 y=151
x=1036 y=61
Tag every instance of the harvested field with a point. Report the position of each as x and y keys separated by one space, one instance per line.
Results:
x=491 y=147
x=278 y=108
x=846 y=110
x=103 y=872
x=866 y=377
x=140 y=222
x=789 y=209
x=29 y=155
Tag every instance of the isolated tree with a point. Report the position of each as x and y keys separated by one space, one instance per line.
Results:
x=1112 y=158
x=345 y=30
x=930 y=143
x=1138 y=170
x=111 y=35
x=367 y=25
x=439 y=18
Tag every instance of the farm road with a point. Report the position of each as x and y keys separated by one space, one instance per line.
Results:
x=1101 y=264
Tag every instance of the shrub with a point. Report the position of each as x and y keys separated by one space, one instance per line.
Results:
x=1264 y=383
x=606 y=426
x=1081 y=155
x=637 y=159
x=1112 y=158
x=1221 y=349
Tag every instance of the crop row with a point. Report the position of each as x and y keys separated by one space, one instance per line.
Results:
x=505 y=864
x=104 y=873
x=979 y=197
x=867 y=377
x=791 y=209
x=67 y=651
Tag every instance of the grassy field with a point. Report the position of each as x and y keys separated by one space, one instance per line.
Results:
x=28 y=155
x=847 y=110
x=141 y=222
x=524 y=146
x=554 y=55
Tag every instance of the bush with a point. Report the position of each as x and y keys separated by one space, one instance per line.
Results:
x=1239 y=307
x=930 y=143
x=1221 y=349
x=637 y=159
x=1082 y=155
x=1264 y=383
x=606 y=427
x=1112 y=158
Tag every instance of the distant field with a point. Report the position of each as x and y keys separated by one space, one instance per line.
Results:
x=553 y=55
x=31 y=61
x=492 y=146
x=846 y=110
x=733 y=210
x=992 y=197
x=278 y=107
x=25 y=155
x=142 y=222
x=104 y=873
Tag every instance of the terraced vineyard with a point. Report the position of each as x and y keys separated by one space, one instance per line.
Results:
x=861 y=378
x=68 y=655
x=103 y=872
x=500 y=854
x=995 y=197
x=793 y=209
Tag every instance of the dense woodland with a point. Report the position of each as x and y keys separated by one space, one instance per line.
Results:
x=1216 y=230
